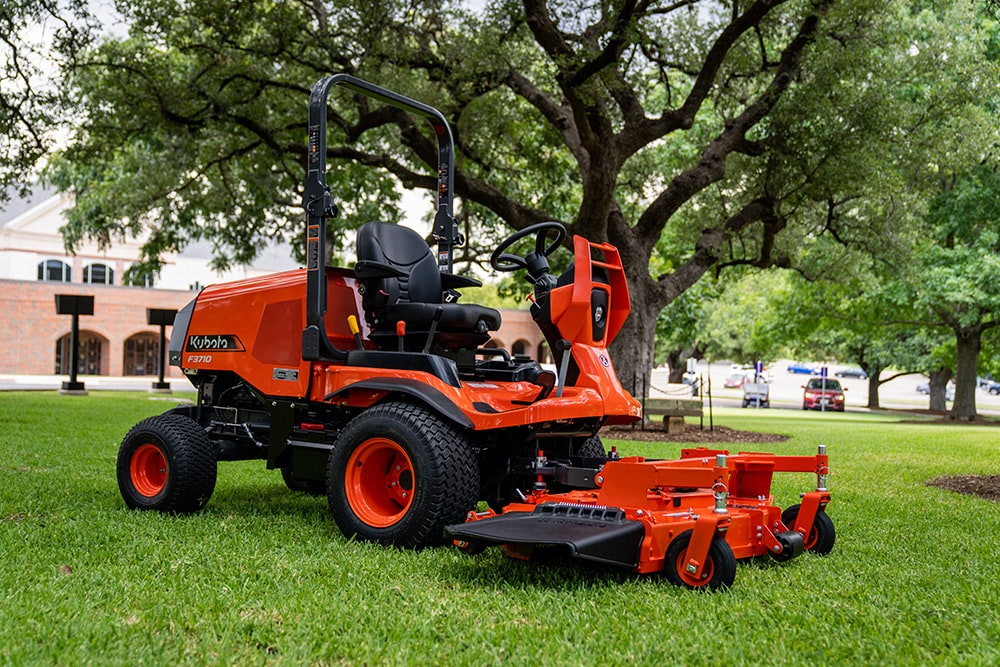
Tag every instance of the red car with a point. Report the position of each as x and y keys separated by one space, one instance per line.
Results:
x=735 y=380
x=823 y=394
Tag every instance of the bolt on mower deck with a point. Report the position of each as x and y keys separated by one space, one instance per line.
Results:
x=690 y=518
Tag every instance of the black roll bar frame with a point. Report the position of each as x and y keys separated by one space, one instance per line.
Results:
x=318 y=202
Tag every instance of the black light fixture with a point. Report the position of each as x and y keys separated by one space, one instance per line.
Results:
x=75 y=305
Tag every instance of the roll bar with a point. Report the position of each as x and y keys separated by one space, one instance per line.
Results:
x=318 y=203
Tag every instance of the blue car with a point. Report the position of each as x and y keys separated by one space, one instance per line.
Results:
x=802 y=369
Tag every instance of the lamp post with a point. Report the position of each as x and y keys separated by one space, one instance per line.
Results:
x=161 y=317
x=75 y=305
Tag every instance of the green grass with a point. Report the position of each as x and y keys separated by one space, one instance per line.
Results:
x=262 y=576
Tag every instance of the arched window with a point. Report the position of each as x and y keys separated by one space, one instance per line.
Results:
x=520 y=348
x=54 y=271
x=142 y=355
x=99 y=274
x=91 y=354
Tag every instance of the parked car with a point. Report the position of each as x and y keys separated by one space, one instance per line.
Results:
x=735 y=380
x=949 y=391
x=990 y=386
x=852 y=373
x=823 y=394
x=802 y=369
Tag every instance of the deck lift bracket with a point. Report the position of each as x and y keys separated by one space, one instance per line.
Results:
x=318 y=203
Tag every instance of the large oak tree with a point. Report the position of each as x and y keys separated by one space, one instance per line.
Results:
x=691 y=134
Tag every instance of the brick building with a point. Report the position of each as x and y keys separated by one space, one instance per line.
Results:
x=115 y=340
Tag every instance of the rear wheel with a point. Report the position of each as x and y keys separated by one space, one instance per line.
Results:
x=398 y=474
x=822 y=536
x=167 y=463
x=719 y=570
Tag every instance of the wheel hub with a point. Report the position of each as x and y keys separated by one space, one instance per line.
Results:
x=148 y=469
x=380 y=482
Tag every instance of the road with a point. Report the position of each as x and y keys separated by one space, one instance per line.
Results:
x=786 y=389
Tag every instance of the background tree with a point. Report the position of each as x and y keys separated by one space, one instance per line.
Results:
x=963 y=249
x=741 y=130
x=37 y=37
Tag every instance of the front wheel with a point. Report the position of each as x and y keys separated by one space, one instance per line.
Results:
x=720 y=567
x=398 y=474
x=167 y=463
x=822 y=535
x=592 y=448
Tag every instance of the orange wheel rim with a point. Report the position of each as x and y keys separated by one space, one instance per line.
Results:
x=148 y=469
x=379 y=482
x=690 y=579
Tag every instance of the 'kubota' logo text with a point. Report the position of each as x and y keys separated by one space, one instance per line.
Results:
x=220 y=343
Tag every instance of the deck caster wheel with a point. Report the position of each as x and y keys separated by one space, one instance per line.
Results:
x=470 y=547
x=398 y=474
x=822 y=536
x=720 y=567
x=166 y=463
x=792 y=545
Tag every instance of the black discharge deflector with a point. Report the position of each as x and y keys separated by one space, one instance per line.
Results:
x=599 y=534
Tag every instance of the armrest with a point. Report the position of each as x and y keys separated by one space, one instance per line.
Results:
x=367 y=269
x=453 y=281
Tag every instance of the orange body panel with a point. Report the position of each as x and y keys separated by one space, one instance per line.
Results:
x=512 y=401
x=571 y=304
x=254 y=328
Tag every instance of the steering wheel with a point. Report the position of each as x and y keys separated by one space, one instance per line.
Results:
x=502 y=261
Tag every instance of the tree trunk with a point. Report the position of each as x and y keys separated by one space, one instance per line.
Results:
x=938 y=386
x=677 y=361
x=873 y=386
x=632 y=350
x=967 y=344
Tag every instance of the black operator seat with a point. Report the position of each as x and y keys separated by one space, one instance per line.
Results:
x=400 y=281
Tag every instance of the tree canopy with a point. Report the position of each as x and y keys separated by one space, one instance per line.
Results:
x=693 y=135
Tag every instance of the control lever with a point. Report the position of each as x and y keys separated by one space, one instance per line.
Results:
x=352 y=323
x=401 y=333
x=434 y=325
x=566 y=347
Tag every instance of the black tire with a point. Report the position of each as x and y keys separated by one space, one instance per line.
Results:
x=719 y=571
x=168 y=464
x=592 y=448
x=398 y=474
x=313 y=487
x=821 y=538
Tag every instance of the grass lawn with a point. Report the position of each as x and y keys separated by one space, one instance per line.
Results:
x=262 y=576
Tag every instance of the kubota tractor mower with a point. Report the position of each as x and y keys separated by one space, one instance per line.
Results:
x=372 y=386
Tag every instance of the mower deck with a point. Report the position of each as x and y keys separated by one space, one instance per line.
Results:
x=692 y=517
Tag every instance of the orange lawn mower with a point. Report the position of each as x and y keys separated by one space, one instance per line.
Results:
x=374 y=387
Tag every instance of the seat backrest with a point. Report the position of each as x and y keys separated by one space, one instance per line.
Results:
x=401 y=248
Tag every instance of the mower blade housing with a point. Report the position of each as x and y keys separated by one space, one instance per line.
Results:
x=599 y=534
